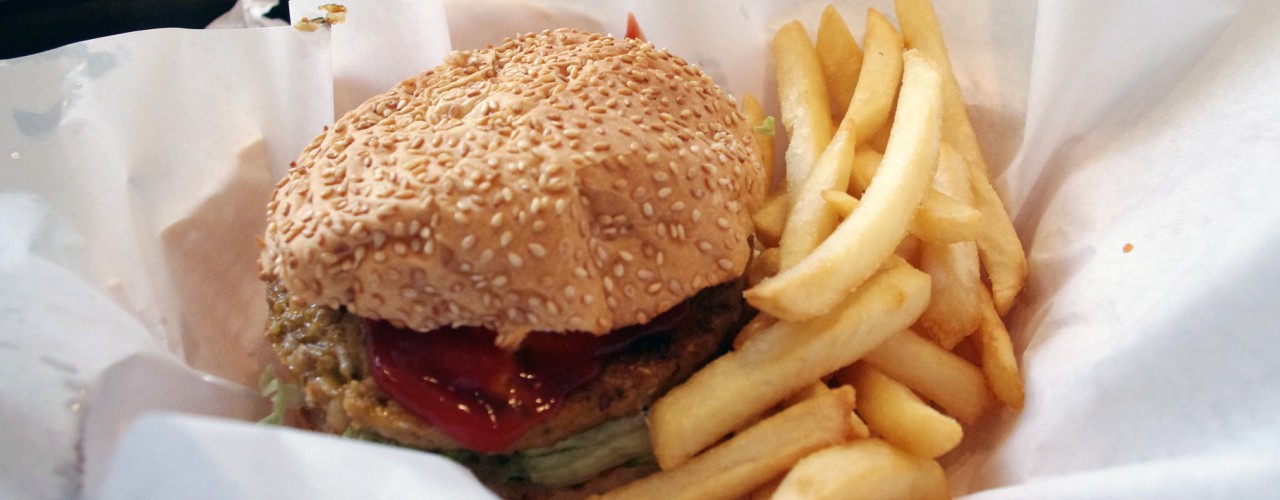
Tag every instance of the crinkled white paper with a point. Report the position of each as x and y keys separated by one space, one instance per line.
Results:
x=134 y=171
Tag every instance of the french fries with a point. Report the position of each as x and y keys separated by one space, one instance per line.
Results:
x=940 y=218
x=754 y=456
x=841 y=60
x=995 y=349
x=1000 y=249
x=865 y=469
x=896 y=414
x=944 y=219
x=776 y=362
x=810 y=221
x=859 y=244
x=940 y=376
x=802 y=95
x=866 y=161
x=770 y=220
x=998 y=244
x=954 y=307
x=882 y=68
x=860 y=252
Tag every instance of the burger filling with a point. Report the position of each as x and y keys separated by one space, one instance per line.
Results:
x=483 y=396
x=557 y=411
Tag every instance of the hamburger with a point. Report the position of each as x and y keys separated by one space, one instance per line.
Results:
x=509 y=257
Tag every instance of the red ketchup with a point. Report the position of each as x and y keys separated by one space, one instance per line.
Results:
x=633 y=28
x=485 y=397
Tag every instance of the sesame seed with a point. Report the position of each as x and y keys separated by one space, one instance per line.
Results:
x=723 y=223
x=514 y=259
x=505 y=238
x=537 y=250
x=725 y=264
x=664 y=192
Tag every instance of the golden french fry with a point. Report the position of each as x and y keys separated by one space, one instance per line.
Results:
x=898 y=416
x=754 y=456
x=881 y=73
x=861 y=242
x=865 y=163
x=996 y=351
x=864 y=469
x=955 y=303
x=841 y=60
x=998 y=244
x=938 y=375
x=764 y=142
x=841 y=202
x=763 y=266
x=810 y=220
x=774 y=363
x=944 y=219
x=770 y=220
x=802 y=97
x=880 y=139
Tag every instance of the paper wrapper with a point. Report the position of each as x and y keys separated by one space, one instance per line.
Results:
x=134 y=171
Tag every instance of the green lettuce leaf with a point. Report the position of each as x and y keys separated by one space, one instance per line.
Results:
x=284 y=396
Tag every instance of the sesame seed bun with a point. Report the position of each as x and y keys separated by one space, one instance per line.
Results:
x=561 y=181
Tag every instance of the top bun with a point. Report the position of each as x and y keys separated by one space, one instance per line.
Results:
x=562 y=181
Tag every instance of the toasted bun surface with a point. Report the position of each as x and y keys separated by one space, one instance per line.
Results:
x=562 y=181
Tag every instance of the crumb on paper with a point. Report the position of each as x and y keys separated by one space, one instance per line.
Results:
x=333 y=14
x=1128 y=247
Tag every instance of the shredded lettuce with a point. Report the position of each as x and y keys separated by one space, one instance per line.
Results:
x=284 y=396
x=766 y=127
x=622 y=441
